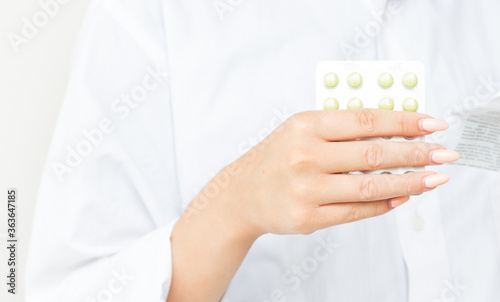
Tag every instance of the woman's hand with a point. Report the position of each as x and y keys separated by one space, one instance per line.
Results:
x=293 y=181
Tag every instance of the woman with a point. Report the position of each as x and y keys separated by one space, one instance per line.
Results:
x=157 y=188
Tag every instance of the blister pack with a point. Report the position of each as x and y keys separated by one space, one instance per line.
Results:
x=388 y=85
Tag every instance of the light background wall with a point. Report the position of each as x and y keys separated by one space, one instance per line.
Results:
x=32 y=86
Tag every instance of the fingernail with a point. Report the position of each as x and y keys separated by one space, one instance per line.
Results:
x=432 y=125
x=396 y=202
x=442 y=156
x=432 y=181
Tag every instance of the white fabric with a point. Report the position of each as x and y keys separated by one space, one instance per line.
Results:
x=236 y=69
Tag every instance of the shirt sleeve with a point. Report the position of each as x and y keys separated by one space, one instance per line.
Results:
x=109 y=196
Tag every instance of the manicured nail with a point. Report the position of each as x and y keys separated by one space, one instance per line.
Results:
x=442 y=156
x=397 y=201
x=432 y=125
x=432 y=181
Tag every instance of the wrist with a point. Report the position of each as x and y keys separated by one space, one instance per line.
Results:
x=235 y=221
x=208 y=242
x=233 y=205
x=220 y=217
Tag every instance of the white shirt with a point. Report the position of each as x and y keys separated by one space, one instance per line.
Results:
x=163 y=94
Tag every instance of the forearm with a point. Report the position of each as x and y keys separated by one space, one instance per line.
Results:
x=208 y=246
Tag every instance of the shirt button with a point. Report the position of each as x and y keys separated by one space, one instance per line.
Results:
x=417 y=223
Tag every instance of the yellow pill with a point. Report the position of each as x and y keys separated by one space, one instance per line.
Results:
x=331 y=80
x=354 y=103
x=410 y=80
x=331 y=104
x=355 y=80
x=386 y=103
x=410 y=104
x=385 y=80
